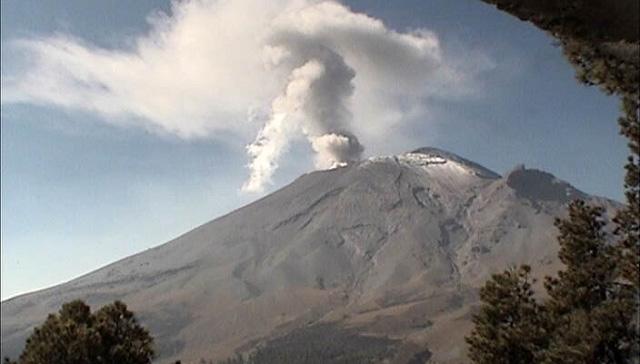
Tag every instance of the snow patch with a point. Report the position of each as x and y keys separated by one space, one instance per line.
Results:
x=433 y=162
x=420 y=160
x=377 y=159
x=337 y=165
x=438 y=163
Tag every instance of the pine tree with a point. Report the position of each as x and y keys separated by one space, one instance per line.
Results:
x=122 y=339
x=511 y=326
x=63 y=338
x=586 y=318
x=628 y=219
x=605 y=328
x=587 y=306
x=76 y=336
x=589 y=273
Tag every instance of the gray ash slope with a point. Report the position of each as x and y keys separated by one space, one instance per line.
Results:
x=393 y=246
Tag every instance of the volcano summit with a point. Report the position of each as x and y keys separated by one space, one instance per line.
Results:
x=393 y=248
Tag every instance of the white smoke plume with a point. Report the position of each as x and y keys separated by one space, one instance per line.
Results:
x=334 y=150
x=274 y=137
x=316 y=97
x=318 y=70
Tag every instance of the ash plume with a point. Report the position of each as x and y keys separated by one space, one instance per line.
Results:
x=312 y=69
x=315 y=102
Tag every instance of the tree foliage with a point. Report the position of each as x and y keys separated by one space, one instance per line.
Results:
x=588 y=307
x=628 y=220
x=593 y=310
x=75 y=335
x=509 y=329
x=589 y=275
x=584 y=320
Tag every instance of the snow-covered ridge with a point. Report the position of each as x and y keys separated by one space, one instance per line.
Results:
x=433 y=162
x=422 y=159
x=431 y=159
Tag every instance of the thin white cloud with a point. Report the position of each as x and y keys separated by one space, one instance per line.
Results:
x=301 y=67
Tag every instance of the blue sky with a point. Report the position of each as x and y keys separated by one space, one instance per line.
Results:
x=84 y=187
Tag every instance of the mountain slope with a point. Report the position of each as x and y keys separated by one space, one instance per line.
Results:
x=393 y=246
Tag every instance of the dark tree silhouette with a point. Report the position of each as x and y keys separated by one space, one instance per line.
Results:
x=76 y=336
x=588 y=308
x=510 y=327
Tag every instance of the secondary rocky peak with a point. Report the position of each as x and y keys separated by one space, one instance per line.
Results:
x=534 y=184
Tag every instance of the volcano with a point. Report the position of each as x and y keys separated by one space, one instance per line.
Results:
x=389 y=249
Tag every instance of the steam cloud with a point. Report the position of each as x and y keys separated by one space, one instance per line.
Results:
x=315 y=97
x=315 y=69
